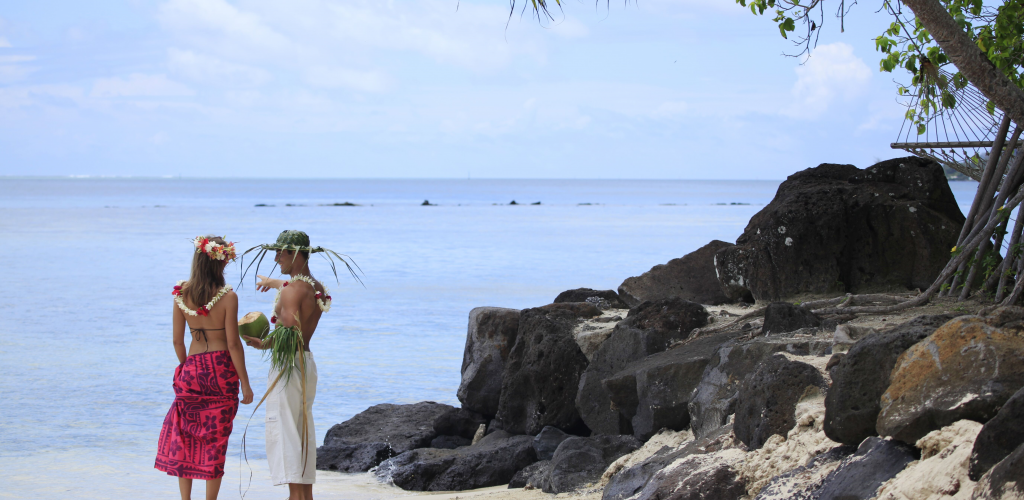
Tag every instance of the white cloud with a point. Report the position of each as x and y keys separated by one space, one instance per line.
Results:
x=138 y=85
x=4 y=44
x=208 y=69
x=832 y=72
x=332 y=77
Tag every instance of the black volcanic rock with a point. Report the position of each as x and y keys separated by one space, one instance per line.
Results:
x=837 y=228
x=768 y=398
x=648 y=329
x=538 y=386
x=783 y=317
x=378 y=433
x=492 y=333
x=691 y=277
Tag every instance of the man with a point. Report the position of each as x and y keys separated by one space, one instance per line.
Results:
x=291 y=384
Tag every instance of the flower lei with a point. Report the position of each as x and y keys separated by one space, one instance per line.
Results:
x=322 y=299
x=214 y=250
x=204 y=310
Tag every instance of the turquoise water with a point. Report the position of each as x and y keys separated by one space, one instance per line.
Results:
x=85 y=348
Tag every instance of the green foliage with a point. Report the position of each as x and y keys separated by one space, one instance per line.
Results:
x=286 y=342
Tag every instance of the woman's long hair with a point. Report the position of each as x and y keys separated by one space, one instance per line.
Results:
x=207 y=276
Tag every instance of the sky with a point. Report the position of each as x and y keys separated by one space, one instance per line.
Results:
x=652 y=89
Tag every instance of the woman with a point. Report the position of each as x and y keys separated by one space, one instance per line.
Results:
x=194 y=439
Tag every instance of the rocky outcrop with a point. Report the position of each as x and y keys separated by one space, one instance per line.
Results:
x=603 y=299
x=714 y=399
x=859 y=476
x=691 y=277
x=492 y=333
x=862 y=376
x=967 y=369
x=648 y=329
x=579 y=461
x=491 y=462
x=769 y=396
x=1005 y=481
x=538 y=386
x=547 y=442
x=999 y=436
x=378 y=433
x=783 y=317
x=709 y=476
x=837 y=228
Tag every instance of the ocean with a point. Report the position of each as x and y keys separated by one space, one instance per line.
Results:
x=85 y=346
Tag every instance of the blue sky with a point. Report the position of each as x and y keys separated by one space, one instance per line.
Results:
x=658 y=89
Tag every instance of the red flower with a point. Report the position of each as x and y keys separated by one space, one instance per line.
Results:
x=317 y=295
x=285 y=284
x=177 y=290
x=273 y=319
x=203 y=311
x=328 y=297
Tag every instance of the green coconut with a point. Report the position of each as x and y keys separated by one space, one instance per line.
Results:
x=254 y=324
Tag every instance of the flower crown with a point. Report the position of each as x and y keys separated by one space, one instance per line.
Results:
x=214 y=250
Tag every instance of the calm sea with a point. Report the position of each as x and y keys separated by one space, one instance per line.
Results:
x=85 y=345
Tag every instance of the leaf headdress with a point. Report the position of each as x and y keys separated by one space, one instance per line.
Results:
x=298 y=241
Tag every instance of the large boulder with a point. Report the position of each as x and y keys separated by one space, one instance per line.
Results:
x=967 y=369
x=858 y=477
x=691 y=277
x=783 y=317
x=715 y=397
x=648 y=329
x=999 y=436
x=710 y=476
x=839 y=228
x=492 y=333
x=378 y=433
x=543 y=371
x=579 y=461
x=491 y=462
x=604 y=299
x=862 y=376
x=1005 y=481
x=768 y=398
x=653 y=393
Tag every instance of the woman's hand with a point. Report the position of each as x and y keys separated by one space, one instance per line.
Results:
x=266 y=283
x=254 y=342
x=246 y=394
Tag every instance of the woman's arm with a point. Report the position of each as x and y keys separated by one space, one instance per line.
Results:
x=178 y=332
x=235 y=344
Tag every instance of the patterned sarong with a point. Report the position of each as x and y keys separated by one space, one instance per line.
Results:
x=194 y=439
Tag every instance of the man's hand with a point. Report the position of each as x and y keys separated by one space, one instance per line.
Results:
x=254 y=342
x=266 y=283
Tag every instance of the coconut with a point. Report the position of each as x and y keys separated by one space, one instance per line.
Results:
x=254 y=324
